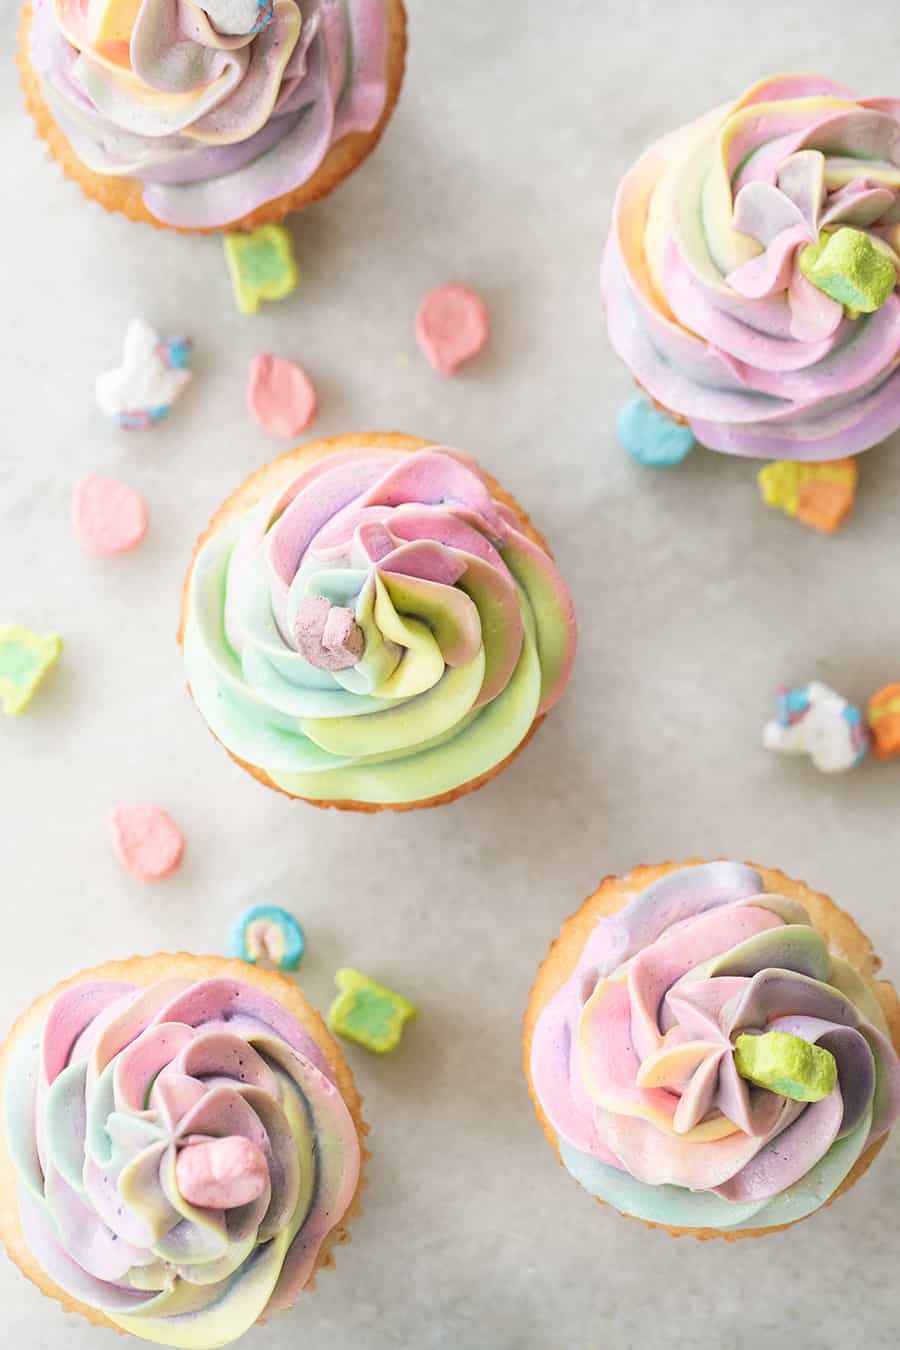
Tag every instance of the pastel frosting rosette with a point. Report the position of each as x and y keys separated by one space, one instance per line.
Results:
x=713 y=297
x=638 y=1036
x=372 y=622
x=184 y=1153
x=214 y=109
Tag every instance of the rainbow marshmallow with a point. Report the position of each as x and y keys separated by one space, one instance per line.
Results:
x=153 y=374
x=819 y=495
x=816 y=721
x=884 y=721
x=267 y=933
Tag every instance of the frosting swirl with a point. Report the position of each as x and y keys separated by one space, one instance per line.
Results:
x=381 y=630
x=633 y=1060
x=181 y=1152
x=707 y=302
x=217 y=108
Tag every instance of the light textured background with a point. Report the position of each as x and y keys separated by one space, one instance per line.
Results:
x=694 y=601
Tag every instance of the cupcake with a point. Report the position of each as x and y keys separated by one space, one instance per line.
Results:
x=708 y=1050
x=182 y=1147
x=206 y=117
x=750 y=273
x=372 y=622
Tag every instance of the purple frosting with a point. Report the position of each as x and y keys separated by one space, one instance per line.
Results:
x=707 y=301
x=633 y=1059
x=213 y=120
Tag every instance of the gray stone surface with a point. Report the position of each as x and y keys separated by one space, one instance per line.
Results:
x=694 y=601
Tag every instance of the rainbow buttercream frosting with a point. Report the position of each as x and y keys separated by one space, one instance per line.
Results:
x=633 y=1059
x=380 y=630
x=181 y=1152
x=215 y=108
x=717 y=298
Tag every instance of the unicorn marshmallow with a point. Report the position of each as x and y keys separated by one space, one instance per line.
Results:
x=816 y=721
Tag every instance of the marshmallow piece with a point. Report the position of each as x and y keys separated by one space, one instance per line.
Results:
x=787 y=1065
x=368 y=1013
x=819 y=495
x=234 y=17
x=327 y=635
x=651 y=436
x=452 y=327
x=262 y=266
x=25 y=658
x=816 y=721
x=153 y=374
x=266 y=934
x=221 y=1173
x=884 y=720
x=849 y=267
x=147 y=841
x=108 y=517
x=280 y=395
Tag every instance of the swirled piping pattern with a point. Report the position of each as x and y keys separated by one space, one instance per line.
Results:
x=119 y=1112
x=380 y=631
x=215 y=108
x=633 y=1059
x=706 y=301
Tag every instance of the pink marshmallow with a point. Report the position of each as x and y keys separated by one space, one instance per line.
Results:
x=147 y=841
x=280 y=395
x=327 y=635
x=452 y=327
x=221 y=1173
x=108 y=517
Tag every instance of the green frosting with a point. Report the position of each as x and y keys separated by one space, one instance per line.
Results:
x=850 y=268
x=468 y=627
x=704 y=1209
x=787 y=1065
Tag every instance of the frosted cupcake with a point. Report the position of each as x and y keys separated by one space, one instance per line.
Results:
x=750 y=274
x=371 y=621
x=182 y=1147
x=708 y=1050
x=202 y=117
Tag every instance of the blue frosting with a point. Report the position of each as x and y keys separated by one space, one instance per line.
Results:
x=677 y=1207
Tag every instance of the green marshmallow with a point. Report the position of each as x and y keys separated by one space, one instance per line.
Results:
x=25 y=658
x=850 y=267
x=368 y=1013
x=787 y=1065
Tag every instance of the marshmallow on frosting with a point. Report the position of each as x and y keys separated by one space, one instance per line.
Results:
x=215 y=108
x=389 y=633
x=708 y=303
x=633 y=1060
x=182 y=1153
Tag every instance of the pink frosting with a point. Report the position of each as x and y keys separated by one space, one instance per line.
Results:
x=181 y=1149
x=633 y=1059
x=706 y=302
x=216 y=110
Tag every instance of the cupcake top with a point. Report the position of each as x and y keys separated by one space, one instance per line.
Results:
x=215 y=108
x=181 y=1152
x=711 y=1063
x=381 y=630
x=720 y=296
